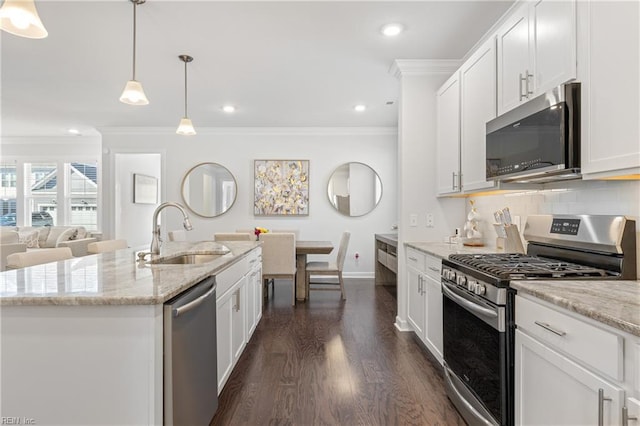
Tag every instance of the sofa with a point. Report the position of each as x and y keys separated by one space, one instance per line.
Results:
x=15 y=239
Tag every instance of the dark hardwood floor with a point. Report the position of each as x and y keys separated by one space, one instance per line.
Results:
x=335 y=363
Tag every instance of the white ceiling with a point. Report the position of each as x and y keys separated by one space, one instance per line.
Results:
x=281 y=63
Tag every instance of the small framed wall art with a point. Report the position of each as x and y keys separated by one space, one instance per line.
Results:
x=281 y=188
x=145 y=189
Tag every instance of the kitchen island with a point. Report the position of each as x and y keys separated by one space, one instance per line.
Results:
x=82 y=339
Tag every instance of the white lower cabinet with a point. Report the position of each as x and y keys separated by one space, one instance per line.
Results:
x=239 y=308
x=254 y=297
x=424 y=312
x=571 y=370
x=552 y=389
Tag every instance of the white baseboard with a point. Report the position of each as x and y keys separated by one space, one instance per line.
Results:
x=402 y=325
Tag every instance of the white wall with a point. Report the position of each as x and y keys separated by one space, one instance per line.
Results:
x=417 y=184
x=236 y=149
x=131 y=221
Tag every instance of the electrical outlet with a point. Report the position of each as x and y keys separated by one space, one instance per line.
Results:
x=413 y=220
x=430 y=220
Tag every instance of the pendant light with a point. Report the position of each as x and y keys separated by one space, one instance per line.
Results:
x=133 y=93
x=20 y=17
x=185 y=127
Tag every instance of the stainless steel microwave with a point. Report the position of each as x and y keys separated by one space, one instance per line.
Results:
x=538 y=141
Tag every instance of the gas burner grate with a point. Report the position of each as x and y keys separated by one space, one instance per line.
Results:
x=522 y=266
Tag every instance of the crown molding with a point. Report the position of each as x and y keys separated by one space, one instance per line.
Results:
x=51 y=140
x=403 y=67
x=251 y=131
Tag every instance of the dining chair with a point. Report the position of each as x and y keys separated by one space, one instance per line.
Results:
x=233 y=236
x=38 y=257
x=287 y=231
x=278 y=259
x=178 y=235
x=251 y=232
x=329 y=268
x=106 y=246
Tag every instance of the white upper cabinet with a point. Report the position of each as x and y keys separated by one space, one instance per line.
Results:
x=478 y=105
x=513 y=59
x=552 y=27
x=609 y=69
x=448 y=136
x=536 y=51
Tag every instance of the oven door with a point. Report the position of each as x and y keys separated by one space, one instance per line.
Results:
x=475 y=355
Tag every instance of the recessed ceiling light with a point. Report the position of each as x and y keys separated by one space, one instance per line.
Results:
x=74 y=131
x=229 y=108
x=391 y=30
x=360 y=107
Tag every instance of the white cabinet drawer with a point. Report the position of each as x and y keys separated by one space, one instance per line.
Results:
x=433 y=265
x=227 y=278
x=254 y=257
x=594 y=347
x=416 y=259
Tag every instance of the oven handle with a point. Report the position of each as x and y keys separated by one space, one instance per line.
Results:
x=469 y=305
x=461 y=398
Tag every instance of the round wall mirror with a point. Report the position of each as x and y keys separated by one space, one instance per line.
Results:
x=209 y=189
x=354 y=189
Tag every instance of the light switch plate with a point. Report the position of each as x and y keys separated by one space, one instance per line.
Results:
x=413 y=220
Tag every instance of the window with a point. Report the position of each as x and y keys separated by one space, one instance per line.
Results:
x=42 y=191
x=49 y=193
x=83 y=181
x=8 y=194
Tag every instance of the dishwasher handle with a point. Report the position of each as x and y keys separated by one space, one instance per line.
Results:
x=194 y=303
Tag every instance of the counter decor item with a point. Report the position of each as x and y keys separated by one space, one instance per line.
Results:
x=508 y=234
x=473 y=236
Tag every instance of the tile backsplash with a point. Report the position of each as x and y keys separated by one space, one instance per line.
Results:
x=578 y=197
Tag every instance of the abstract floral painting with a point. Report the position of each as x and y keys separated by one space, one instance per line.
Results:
x=281 y=188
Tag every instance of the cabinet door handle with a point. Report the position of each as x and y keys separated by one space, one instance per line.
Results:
x=453 y=181
x=625 y=416
x=526 y=84
x=415 y=259
x=601 y=400
x=237 y=294
x=520 y=80
x=549 y=328
x=419 y=284
x=434 y=269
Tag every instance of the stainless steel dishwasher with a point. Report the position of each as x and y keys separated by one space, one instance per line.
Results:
x=190 y=363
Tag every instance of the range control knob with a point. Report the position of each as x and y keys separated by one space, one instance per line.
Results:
x=449 y=274
x=471 y=285
x=461 y=280
x=479 y=289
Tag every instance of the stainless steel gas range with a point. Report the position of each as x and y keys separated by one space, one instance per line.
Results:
x=478 y=304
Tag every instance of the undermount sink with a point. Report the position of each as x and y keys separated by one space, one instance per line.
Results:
x=186 y=259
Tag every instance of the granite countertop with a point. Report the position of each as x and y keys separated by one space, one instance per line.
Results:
x=615 y=303
x=115 y=278
x=443 y=250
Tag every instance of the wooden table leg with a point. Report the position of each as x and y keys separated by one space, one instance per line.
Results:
x=301 y=267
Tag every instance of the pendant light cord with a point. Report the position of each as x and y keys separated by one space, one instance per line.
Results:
x=185 y=89
x=135 y=5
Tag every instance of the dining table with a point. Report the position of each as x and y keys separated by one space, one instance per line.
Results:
x=304 y=248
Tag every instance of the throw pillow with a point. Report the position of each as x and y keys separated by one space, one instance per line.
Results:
x=66 y=235
x=54 y=234
x=30 y=238
x=9 y=237
x=82 y=233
